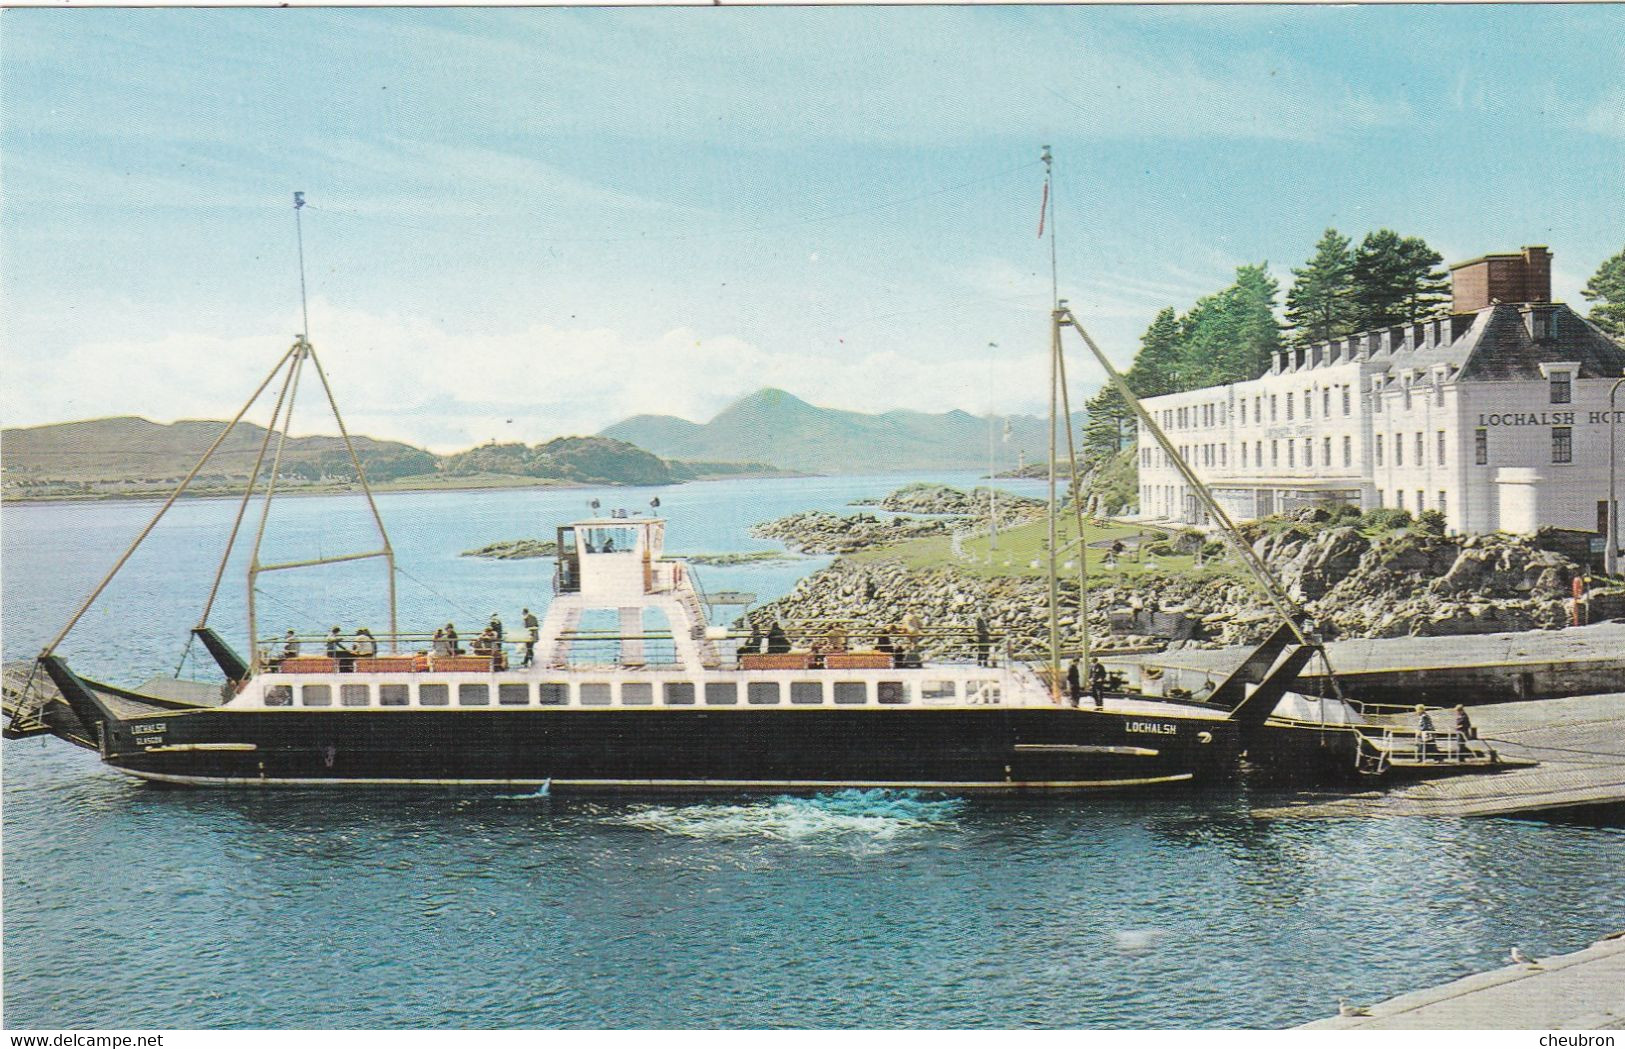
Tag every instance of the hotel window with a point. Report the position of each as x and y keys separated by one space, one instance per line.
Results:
x=1224 y=455
x=1289 y=399
x=1308 y=451
x=1275 y=453
x=1561 y=390
x=1380 y=503
x=1399 y=450
x=1346 y=399
x=1326 y=402
x=1272 y=407
x=1420 y=455
x=1244 y=454
x=1420 y=502
x=1441 y=447
x=1291 y=454
x=1348 y=451
x=1481 y=446
x=1441 y=500
x=1244 y=413
x=1326 y=452
x=1438 y=391
x=1258 y=408
x=1562 y=444
x=1258 y=453
x=1379 y=449
x=1407 y=396
x=1399 y=498
x=1376 y=395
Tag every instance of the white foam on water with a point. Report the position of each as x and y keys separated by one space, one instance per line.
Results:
x=863 y=815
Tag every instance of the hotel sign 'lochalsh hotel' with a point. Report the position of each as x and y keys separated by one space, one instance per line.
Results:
x=1496 y=415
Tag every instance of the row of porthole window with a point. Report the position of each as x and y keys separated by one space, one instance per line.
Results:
x=632 y=694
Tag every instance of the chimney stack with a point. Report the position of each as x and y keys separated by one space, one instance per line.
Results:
x=1524 y=277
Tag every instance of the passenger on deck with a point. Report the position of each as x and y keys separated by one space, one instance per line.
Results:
x=883 y=642
x=1464 y=724
x=290 y=645
x=441 y=647
x=338 y=653
x=496 y=635
x=533 y=633
x=1097 y=683
x=1074 y=683
x=835 y=639
x=753 y=643
x=452 y=645
x=483 y=644
x=608 y=547
x=365 y=645
x=984 y=643
x=777 y=641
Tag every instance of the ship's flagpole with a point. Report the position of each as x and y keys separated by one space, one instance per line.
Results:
x=299 y=232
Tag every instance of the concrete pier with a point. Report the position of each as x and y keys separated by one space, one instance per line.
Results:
x=1472 y=669
x=1581 y=991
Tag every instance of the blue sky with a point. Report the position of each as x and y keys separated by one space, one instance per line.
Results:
x=532 y=222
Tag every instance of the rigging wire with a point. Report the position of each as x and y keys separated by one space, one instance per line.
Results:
x=450 y=603
x=740 y=231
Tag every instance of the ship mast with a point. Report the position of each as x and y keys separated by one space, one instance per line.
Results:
x=1054 y=394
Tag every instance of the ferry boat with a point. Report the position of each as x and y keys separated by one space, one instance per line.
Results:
x=662 y=698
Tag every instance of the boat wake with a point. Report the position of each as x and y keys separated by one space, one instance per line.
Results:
x=841 y=816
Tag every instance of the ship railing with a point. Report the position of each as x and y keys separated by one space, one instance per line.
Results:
x=1416 y=747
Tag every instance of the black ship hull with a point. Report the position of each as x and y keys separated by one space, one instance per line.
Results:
x=996 y=748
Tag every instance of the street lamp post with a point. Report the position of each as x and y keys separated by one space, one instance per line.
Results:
x=1611 y=541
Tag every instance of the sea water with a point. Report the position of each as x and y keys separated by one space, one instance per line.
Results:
x=129 y=905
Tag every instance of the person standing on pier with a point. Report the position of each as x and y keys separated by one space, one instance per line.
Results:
x=1424 y=732
x=1074 y=683
x=984 y=642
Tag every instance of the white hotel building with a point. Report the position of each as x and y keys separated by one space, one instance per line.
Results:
x=1497 y=415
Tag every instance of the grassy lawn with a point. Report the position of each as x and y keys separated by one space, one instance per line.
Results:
x=1020 y=552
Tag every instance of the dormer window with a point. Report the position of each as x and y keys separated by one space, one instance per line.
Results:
x=1542 y=324
x=1560 y=375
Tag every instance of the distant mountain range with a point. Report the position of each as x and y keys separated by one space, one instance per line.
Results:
x=776 y=427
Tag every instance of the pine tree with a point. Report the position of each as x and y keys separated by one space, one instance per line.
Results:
x=1156 y=366
x=1606 y=288
x=1109 y=426
x=1321 y=303
x=1427 y=286
x=1381 y=288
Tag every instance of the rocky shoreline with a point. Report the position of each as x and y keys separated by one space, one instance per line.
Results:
x=1352 y=585
x=950 y=510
